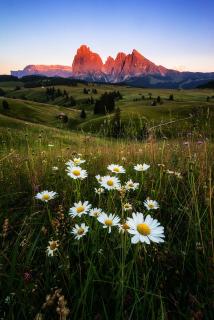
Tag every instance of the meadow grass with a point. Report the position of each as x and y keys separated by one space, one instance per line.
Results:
x=103 y=275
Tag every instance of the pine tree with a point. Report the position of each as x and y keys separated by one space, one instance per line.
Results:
x=83 y=114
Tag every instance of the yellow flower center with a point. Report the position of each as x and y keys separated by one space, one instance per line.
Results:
x=116 y=169
x=54 y=245
x=80 y=209
x=80 y=231
x=76 y=172
x=151 y=205
x=108 y=222
x=143 y=229
x=125 y=226
x=76 y=161
x=96 y=213
x=130 y=185
x=110 y=183
x=46 y=197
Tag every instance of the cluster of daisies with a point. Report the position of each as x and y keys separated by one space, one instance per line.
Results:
x=142 y=228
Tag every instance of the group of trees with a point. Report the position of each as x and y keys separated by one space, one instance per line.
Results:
x=106 y=103
x=87 y=91
x=53 y=93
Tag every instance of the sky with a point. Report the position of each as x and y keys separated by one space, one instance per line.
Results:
x=177 y=34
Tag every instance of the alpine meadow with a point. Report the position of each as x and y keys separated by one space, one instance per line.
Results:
x=106 y=167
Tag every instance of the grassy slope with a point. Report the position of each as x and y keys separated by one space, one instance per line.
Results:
x=134 y=111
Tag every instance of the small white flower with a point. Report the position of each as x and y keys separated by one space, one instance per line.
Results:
x=50 y=145
x=79 y=231
x=127 y=207
x=142 y=167
x=52 y=248
x=116 y=168
x=130 y=185
x=124 y=227
x=170 y=171
x=99 y=190
x=95 y=212
x=77 y=173
x=110 y=183
x=75 y=162
x=46 y=195
x=100 y=251
x=145 y=230
x=99 y=178
x=55 y=168
x=151 y=204
x=80 y=208
x=108 y=221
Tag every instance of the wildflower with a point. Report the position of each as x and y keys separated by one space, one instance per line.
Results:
x=142 y=167
x=46 y=195
x=170 y=171
x=99 y=190
x=52 y=248
x=145 y=230
x=77 y=173
x=75 y=162
x=99 y=178
x=178 y=175
x=108 y=221
x=110 y=183
x=130 y=185
x=95 y=212
x=116 y=168
x=27 y=276
x=50 y=145
x=127 y=207
x=80 y=230
x=151 y=204
x=80 y=208
x=55 y=168
x=124 y=227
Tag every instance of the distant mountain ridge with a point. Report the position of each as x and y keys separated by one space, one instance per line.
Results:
x=133 y=69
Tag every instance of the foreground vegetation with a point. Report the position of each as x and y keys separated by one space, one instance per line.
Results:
x=104 y=275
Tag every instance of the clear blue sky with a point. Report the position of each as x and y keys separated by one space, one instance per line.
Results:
x=174 y=33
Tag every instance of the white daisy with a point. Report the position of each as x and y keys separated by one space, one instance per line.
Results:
x=110 y=183
x=124 y=227
x=116 y=168
x=130 y=185
x=151 y=204
x=75 y=162
x=99 y=190
x=77 y=173
x=52 y=248
x=145 y=230
x=127 y=206
x=108 y=221
x=79 y=231
x=95 y=212
x=142 y=167
x=80 y=208
x=46 y=195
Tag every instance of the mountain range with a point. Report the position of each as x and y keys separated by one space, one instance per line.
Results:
x=132 y=69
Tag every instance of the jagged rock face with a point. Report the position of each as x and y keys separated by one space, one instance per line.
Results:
x=89 y=65
x=50 y=71
x=108 y=66
x=86 y=62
